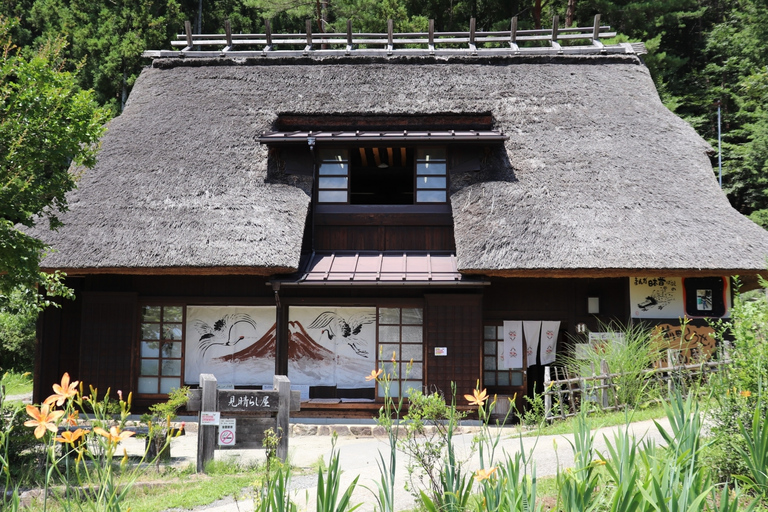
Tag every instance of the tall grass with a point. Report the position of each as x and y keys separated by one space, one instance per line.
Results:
x=628 y=353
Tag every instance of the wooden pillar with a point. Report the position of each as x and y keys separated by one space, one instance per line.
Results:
x=283 y=387
x=282 y=334
x=206 y=435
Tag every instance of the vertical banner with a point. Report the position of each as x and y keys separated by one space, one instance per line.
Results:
x=513 y=343
x=549 y=332
x=532 y=331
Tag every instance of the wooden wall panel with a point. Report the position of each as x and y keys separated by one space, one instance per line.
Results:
x=106 y=342
x=57 y=344
x=384 y=238
x=454 y=321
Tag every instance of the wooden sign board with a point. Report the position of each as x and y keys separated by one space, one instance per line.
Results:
x=235 y=400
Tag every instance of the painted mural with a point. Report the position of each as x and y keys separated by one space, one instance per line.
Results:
x=695 y=345
x=235 y=343
x=656 y=297
x=676 y=297
x=331 y=346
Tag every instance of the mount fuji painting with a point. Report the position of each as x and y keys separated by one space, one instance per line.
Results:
x=327 y=346
x=235 y=343
x=331 y=346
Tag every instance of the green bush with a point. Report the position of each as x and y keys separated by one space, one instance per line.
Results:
x=736 y=388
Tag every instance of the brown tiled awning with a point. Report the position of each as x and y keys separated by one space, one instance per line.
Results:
x=365 y=137
x=382 y=268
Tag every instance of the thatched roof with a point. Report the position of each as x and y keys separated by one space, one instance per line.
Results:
x=597 y=176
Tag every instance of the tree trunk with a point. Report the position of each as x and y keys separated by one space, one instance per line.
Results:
x=537 y=14
x=570 y=13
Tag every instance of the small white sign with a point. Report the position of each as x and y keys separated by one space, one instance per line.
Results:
x=227 y=432
x=209 y=418
x=441 y=351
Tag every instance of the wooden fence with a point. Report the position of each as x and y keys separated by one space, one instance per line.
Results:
x=564 y=394
x=514 y=41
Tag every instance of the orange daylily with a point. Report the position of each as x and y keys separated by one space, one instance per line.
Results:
x=746 y=393
x=114 y=435
x=484 y=474
x=63 y=391
x=71 y=437
x=374 y=374
x=477 y=397
x=71 y=419
x=42 y=419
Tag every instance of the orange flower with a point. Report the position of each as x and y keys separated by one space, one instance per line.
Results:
x=114 y=435
x=71 y=419
x=484 y=474
x=374 y=374
x=746 y=393
x=477 y=397
x=42 y=419
x=63 y=391
x=71 y=437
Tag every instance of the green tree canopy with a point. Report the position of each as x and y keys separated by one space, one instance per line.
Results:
x=46 y=123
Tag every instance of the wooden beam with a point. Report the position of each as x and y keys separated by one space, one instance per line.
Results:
x=376 y=156
x=228 y=32
x=309 y=36
x=431 y=35
x=188 y=30
x=268 y=33
x=363 y=157
x=390 y=157
x=472 y=23
x=349 y=35
x=206 y=436
x=402 y=157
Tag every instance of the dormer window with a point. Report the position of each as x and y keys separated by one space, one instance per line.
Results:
x=382 y=175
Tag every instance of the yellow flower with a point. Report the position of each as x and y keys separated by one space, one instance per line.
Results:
x=374 y=374
x=477 y=397
x=63 y=391
x=746 y=393
x=114 y=435
x=484 y=474
x=598 y=462
x=42 y=419
x=71 y=437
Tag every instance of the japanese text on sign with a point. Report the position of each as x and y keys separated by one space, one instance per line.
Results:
x=248 y=402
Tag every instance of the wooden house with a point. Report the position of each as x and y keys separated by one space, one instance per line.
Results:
x=321 y=211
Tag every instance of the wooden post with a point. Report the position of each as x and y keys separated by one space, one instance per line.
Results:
x=283 y=387
x=604 y=381
x=547 y=395
x=206 y=435
x=188 y=31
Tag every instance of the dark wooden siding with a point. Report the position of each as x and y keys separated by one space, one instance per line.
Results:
x=106 y=346
x=454 y=321
x=57 y=345
x=384 y=232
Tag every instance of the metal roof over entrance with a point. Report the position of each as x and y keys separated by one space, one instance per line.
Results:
x=382 y=268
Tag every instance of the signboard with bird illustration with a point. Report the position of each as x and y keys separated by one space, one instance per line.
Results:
x=235 y=343
x=331 y=346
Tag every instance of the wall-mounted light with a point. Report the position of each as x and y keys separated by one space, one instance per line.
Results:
x=593 y=305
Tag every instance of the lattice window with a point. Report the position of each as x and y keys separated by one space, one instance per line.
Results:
x=161 y=350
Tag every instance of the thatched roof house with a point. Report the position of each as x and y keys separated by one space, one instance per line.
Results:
x=597 y=177
x=586 y=201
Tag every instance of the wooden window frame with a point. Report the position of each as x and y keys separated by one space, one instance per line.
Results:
x=414 y=183
x=382 y=359
x=140 y=339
